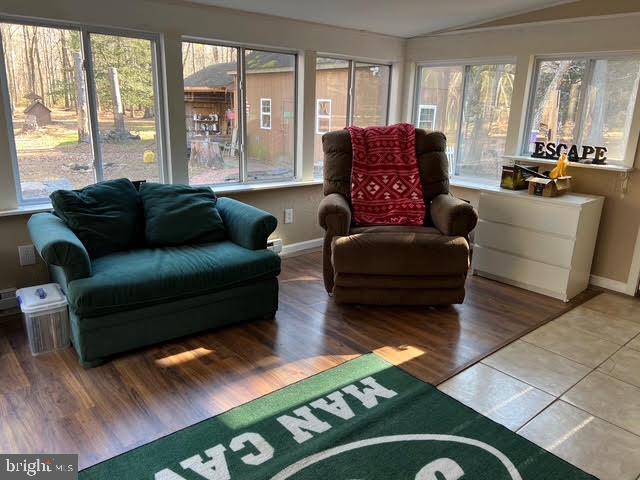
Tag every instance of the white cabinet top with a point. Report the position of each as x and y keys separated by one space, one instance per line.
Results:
x=568 y=199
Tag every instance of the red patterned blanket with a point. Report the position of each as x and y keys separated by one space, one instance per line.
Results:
x=385 y=180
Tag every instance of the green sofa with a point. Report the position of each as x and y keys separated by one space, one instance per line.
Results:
x=139 y=297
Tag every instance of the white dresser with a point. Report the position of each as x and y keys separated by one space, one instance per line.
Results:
x=541 y=244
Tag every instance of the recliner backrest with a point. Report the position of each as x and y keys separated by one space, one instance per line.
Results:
x=430 y=150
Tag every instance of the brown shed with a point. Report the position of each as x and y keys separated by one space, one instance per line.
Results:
x=39 y=111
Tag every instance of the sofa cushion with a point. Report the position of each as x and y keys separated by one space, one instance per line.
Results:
x=400 y=253
x=180 y=214
x=144 y=277
x=106 y=217
x=390 y=282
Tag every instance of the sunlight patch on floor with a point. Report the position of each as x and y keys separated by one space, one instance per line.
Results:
x=399 y=354
x=183 y=357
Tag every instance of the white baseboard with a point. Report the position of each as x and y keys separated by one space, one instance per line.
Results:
x=301 y=247
x=608 y=283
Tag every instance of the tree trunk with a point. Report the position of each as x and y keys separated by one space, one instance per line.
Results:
x=81 y=101
x=28 y=60
x=9 y=53
x=118 y=111
x=35 y=55
x=66 y=70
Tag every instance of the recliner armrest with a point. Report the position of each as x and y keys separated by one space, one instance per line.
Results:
x=452 y=216
x=334 y=214
x=58 y=245
x=246 y=226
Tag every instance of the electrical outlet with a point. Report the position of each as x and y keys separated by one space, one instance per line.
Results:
x=27 y=255
x=288 y=215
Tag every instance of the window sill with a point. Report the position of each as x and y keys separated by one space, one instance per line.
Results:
x=254 y=187
x=548 y=161
x=27 y=209
x=474 y=184
x=221 y=189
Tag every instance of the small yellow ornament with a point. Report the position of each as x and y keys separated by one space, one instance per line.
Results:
x=560 y=169
x=149 y=157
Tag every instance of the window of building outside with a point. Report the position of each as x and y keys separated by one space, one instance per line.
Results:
x=265 y=113
x=472 y=103
x=82 y=109
x=583 y=101
x=323 y=116
x=348 y=93
x=427 y=116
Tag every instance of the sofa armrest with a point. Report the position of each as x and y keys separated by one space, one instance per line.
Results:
x=334 y=215
x=452 y=216
x=58 y=245
x=246 y=226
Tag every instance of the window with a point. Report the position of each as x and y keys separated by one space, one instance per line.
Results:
x=473 y=104
x=211 y=79
x=371 y=96
x=427 y=116
x=270 y=153
x=74 y=125
x=583 y=101
x=239 y=134
x=265 y=113
x=348 y=93
x=323 y=116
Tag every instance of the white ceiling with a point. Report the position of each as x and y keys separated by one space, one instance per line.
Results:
x=401 y=18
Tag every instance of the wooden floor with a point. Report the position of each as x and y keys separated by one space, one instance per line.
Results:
x=51 y=404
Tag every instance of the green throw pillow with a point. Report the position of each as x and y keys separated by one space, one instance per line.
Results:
x=106 y=217
x=180 y=214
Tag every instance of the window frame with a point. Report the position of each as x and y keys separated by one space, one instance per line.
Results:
x=353 y=90
x=323 y=116
x=634 y=127
x=266 y=101
x=433 y=108
x=242 y=111
x=158 y=73
x=351 y=76
x=465 y=64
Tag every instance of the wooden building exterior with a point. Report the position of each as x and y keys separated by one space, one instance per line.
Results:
x=271 y=105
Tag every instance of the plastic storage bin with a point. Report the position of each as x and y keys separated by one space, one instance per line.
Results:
x=46 y=317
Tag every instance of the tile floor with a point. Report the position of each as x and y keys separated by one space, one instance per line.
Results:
x=572 y=386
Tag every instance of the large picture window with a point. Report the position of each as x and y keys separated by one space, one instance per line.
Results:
x=348 y=93
x=240 y=113
x=470 y=104
x=586 y=100
x=83 y=107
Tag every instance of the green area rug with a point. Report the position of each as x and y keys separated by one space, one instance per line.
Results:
x=365 y=419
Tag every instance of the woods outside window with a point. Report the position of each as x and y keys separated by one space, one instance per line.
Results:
x=84 y=107
x=583 y=101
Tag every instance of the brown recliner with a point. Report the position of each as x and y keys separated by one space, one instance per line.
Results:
x=395 y=265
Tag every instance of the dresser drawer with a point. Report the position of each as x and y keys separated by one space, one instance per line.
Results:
x=530 y=213
x=542 y=247
x=521 y=270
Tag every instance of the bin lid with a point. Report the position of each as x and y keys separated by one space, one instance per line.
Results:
x=41 y=298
